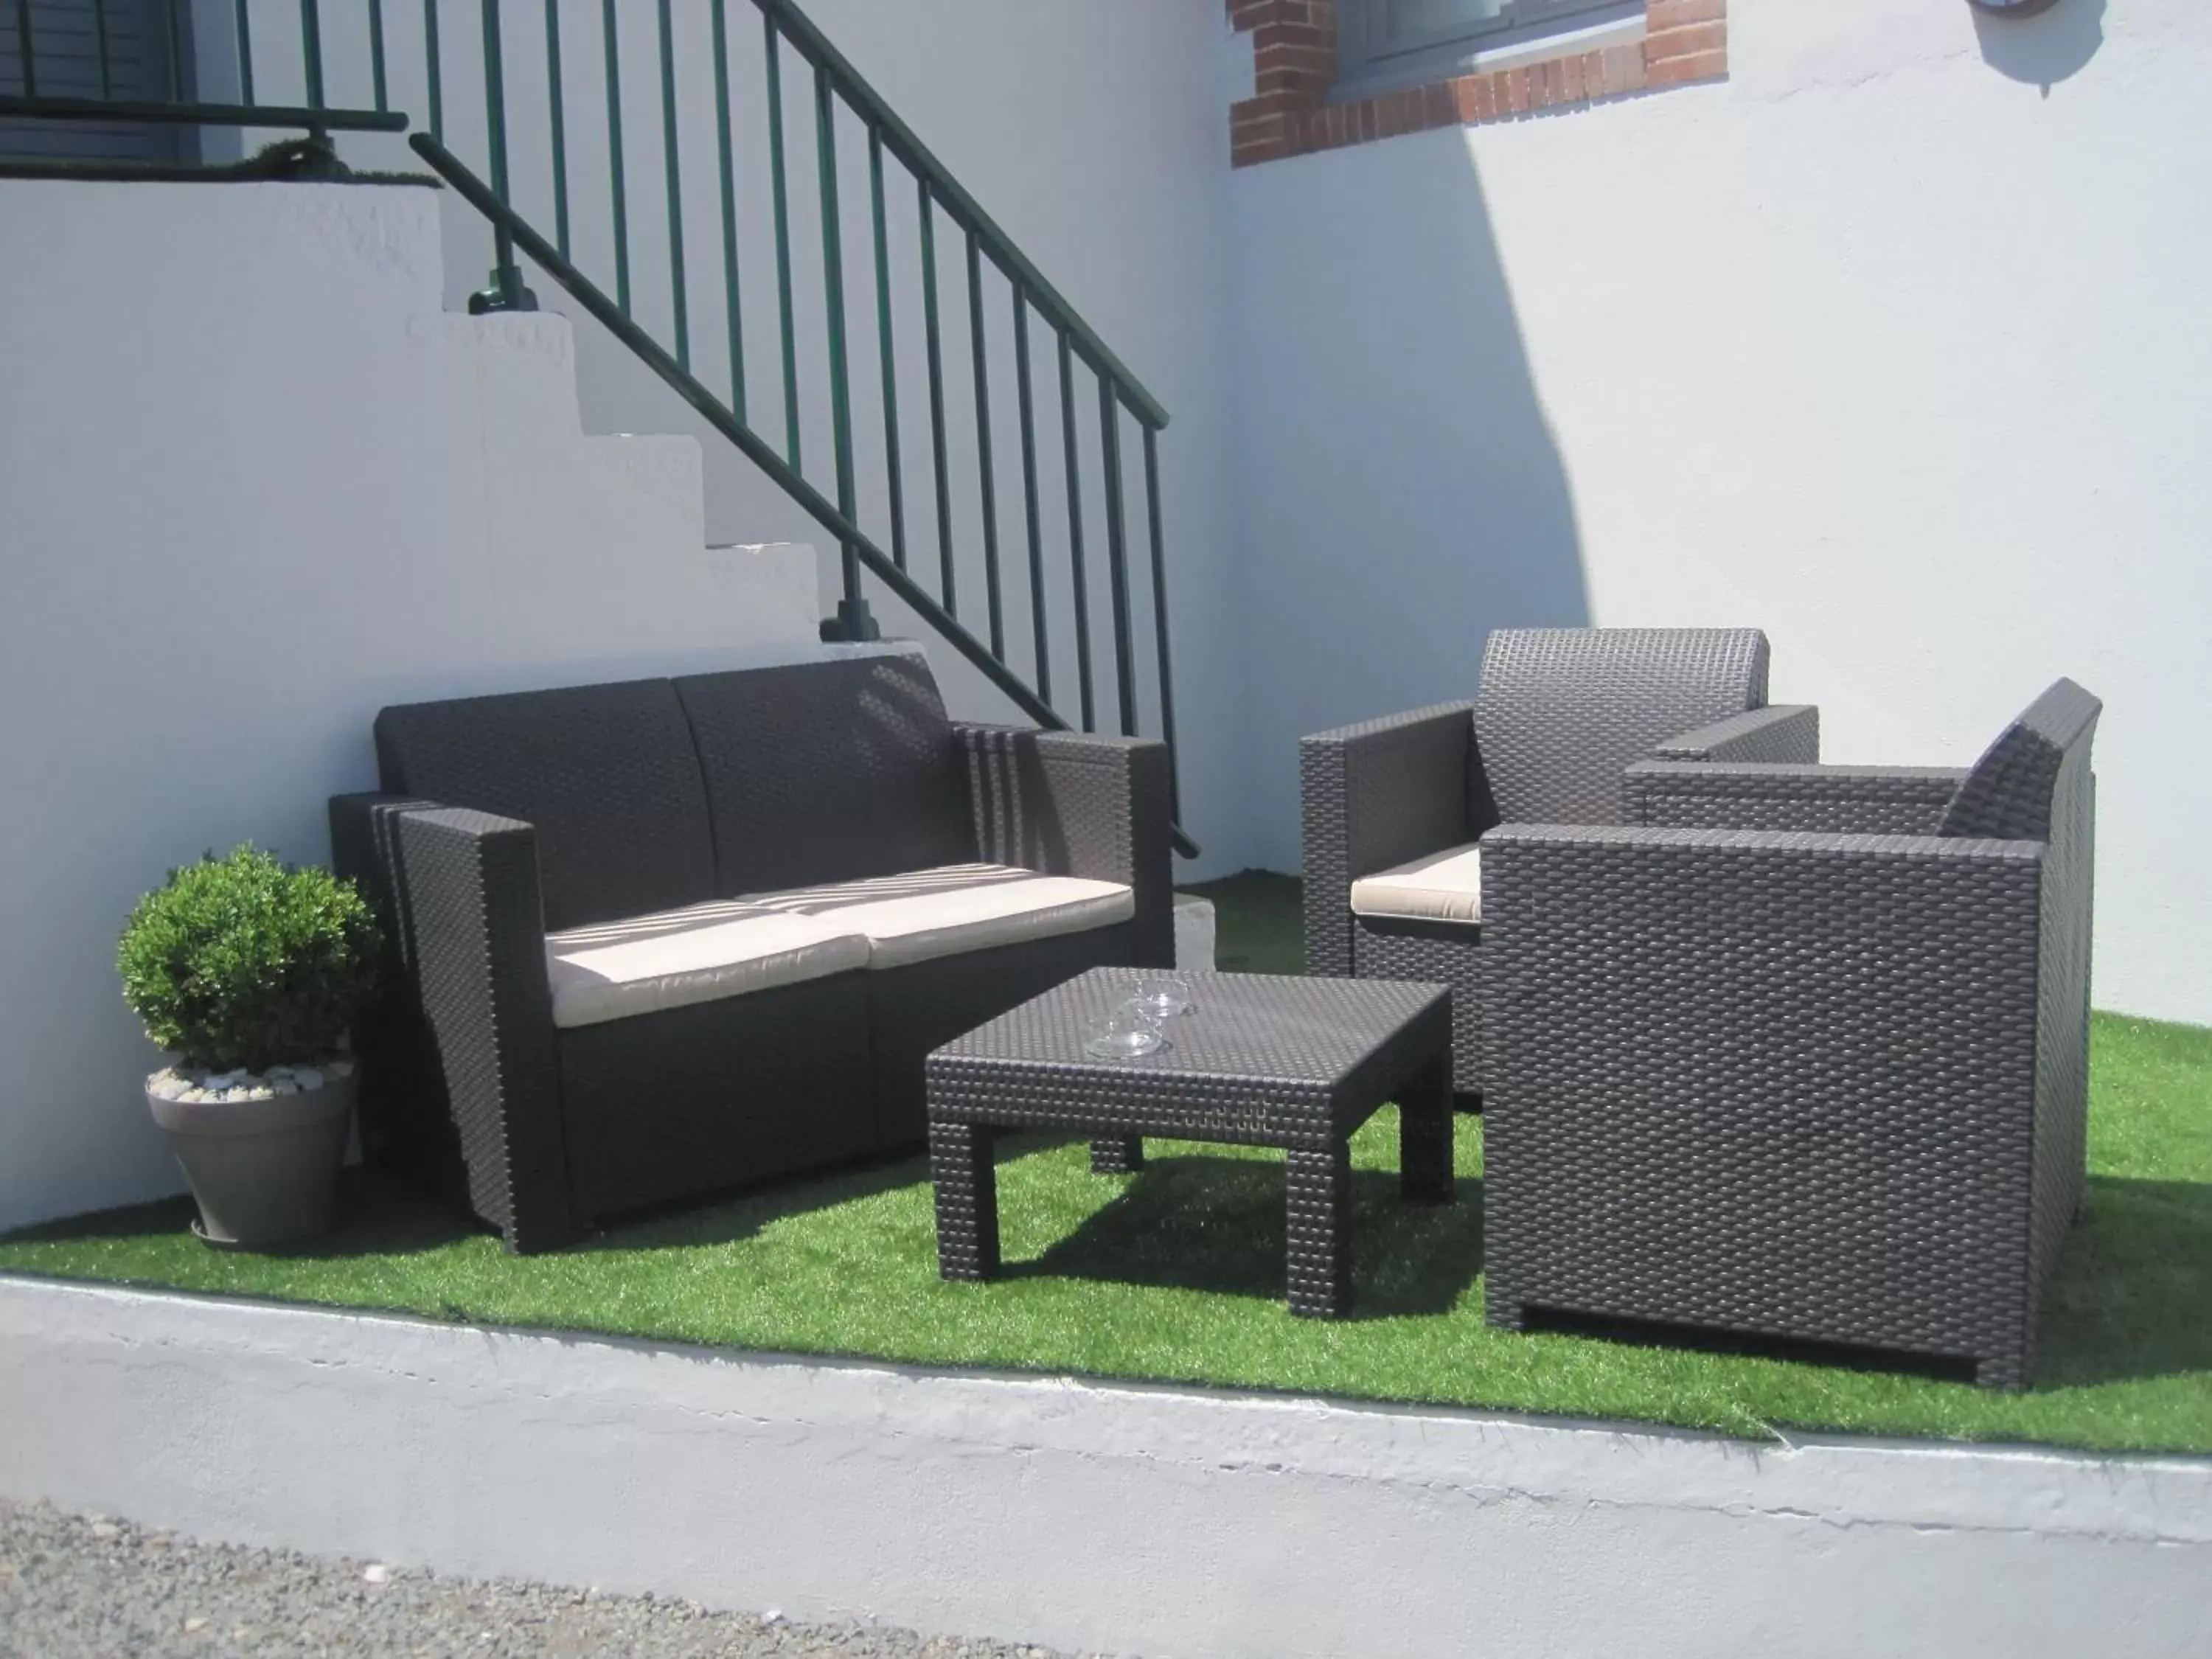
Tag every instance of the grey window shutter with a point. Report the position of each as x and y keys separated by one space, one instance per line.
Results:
x=66 y=48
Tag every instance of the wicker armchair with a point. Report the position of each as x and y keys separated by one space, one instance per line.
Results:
x=1392 y=809
x=659 y=938
x=1803 y=1054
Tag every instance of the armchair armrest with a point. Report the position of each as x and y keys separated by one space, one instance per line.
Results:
x=1787 y=733
x=1370 y=796
x=1078 y=804
x=1868 y=800
x=465 y=889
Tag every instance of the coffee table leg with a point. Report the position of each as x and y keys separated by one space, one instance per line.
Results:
x=1117 y=1155
x=960 y=1164
x=1424 y=1135
x=1320 y=1231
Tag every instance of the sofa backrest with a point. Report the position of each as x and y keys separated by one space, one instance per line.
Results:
x=606 y=773
x=1563 y=712
x=828 y=771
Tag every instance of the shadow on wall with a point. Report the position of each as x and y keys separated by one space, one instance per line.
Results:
x=2045 y=49
x=1400 y=489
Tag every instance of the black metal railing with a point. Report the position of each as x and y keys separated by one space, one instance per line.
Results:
x=530 y=163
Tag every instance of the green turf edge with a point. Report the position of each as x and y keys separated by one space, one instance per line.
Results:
x=1175 y=1277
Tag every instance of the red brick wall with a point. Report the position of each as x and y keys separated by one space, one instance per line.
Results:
x=1294 y=49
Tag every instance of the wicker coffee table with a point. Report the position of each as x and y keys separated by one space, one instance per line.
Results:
x=1258 y=1060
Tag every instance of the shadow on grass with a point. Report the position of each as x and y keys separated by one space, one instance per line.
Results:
x=1203 y=1223
x=2126 y=1305
x=733 y=1218
x=377 y=1216
x=2133 y=1286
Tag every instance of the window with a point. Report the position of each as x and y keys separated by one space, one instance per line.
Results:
x=64 y=37
x=1384 y=44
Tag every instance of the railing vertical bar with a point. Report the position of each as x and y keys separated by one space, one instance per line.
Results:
x=1075 y=531
x=671 y=166
x=311 y=50
x=99 y=33
x=1117 y=553
x=494 y=106
x=610 y=34
x=507 y=276
x=985 y=476
x=431 y=57
x=936 y=396
x=380 y=83
x=559 y=121
x=26 y=49
x=1039 y=621
x=730 y=286
x=893 y=478
x=172 y=38
x=240 y=8
x=780 y=190
x=1160 y=616
x=833 y=301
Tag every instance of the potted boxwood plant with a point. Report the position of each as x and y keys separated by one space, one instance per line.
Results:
x=252 y=972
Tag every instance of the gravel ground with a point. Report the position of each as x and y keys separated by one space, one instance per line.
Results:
x=80 y=1585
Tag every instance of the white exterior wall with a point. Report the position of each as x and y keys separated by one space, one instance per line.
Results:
x=1878 y=345
x=253 y=486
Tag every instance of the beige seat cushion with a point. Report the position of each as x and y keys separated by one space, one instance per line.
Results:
x=1444 y=886
x=926 y=914
x=700 y=953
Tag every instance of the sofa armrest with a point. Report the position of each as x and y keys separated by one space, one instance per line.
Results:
x=468 y=894
x=1370 y=796
x=1868 y=800
x=1078 y=804
x=1782 y=733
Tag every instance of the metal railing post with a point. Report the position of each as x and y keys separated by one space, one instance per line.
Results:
x=506 y=291
x=1070 y=460
x=1117 y=555
x=853 y=621
x=987 y=481
x=771 y=48
x=732 y=297
x=26 y=49
x=671 y=167
x=1160 y=616
x=100 y=34
x=311 y=52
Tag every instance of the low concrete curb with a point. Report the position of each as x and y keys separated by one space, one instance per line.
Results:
x=1085 y=1516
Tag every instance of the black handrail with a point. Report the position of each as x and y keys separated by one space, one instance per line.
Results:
x=481 y=197
x=206 y=115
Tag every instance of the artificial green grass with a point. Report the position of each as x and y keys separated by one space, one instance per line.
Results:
x=1176 y=1274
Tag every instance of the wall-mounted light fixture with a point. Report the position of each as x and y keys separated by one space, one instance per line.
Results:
x=2012 y=8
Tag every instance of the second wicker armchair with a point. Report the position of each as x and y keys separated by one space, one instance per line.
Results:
x=1393 y=809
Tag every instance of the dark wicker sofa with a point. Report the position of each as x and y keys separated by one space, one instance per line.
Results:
x=663 y=938
x=1804 y=1053
x=1393 y=809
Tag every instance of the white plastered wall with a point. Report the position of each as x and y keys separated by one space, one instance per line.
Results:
x=255 y=484
x=1893 y=344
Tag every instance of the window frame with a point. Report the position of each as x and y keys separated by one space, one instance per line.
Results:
x=1367 y=63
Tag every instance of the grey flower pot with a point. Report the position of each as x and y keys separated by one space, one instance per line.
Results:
x=264 y=1171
